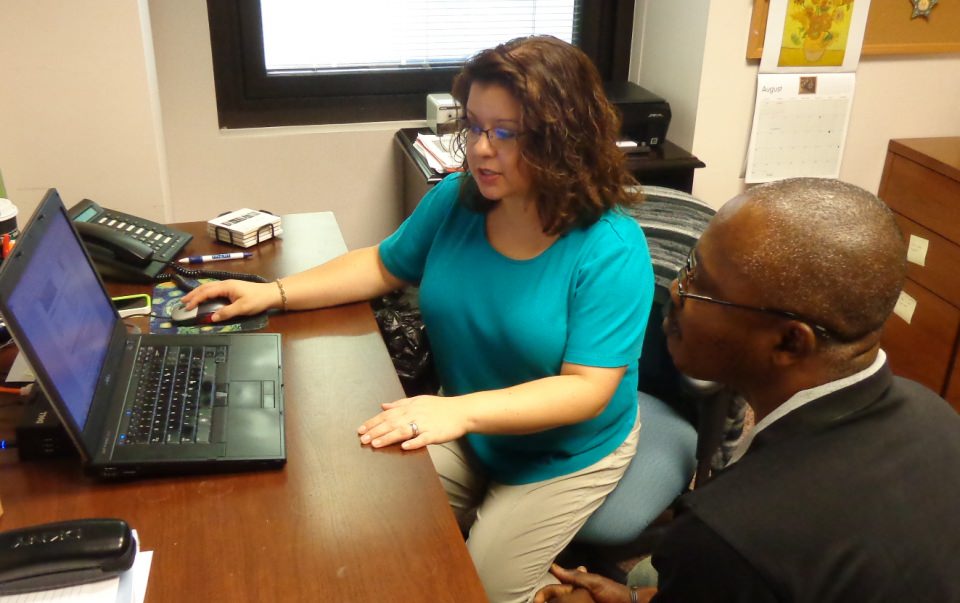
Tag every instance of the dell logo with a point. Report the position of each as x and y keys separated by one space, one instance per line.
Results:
x=41 y=418
x=47 y=537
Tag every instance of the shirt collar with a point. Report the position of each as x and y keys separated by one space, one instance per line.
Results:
x=804 y=397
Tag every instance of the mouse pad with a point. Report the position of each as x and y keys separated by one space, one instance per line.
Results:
x=167 y=295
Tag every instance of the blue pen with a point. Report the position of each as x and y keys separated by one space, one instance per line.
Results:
x=199 y=259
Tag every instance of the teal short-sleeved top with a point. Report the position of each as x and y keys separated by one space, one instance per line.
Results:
x=495 y=322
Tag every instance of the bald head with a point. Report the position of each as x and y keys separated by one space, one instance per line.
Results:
x=822 y=248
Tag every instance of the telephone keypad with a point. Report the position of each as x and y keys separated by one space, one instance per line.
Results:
x=165 y=243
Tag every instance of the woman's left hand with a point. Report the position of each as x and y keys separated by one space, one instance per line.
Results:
x=415 y=422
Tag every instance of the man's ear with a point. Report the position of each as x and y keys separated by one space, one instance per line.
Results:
x=797 y=342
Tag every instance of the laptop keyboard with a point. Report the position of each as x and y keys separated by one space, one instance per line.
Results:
x=175 y=396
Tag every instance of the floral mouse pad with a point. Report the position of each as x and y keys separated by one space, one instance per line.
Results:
x=167 y=295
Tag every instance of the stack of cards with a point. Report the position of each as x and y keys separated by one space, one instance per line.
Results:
x=244 y=227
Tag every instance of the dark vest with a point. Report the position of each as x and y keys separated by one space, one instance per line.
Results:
x=853 y=497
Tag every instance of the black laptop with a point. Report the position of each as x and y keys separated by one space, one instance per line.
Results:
x=136 y=404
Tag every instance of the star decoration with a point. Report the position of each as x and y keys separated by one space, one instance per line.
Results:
x=922 y=8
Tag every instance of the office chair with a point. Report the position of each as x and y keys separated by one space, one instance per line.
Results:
x=683 y=421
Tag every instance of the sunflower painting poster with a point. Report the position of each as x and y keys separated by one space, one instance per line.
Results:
x=815 y=32
x=814 y=35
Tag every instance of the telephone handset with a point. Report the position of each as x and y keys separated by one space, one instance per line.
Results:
x=124 y=247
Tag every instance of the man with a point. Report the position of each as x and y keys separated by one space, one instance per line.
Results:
x=846 y=489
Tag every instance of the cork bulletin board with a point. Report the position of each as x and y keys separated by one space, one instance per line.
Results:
x=890 y=30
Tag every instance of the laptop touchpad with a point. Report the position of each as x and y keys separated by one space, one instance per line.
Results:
x=246 y=394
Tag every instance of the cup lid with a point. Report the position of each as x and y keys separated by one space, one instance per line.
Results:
x=7 y=209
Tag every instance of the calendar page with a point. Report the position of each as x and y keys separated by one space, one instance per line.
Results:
x=799 y=126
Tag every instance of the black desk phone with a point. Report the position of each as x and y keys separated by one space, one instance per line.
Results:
x=123 y=247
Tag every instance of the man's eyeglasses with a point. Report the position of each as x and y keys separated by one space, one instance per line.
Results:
x=689 y=270
x=497 y=137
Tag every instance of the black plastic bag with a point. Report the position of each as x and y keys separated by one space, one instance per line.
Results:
x=406 y=337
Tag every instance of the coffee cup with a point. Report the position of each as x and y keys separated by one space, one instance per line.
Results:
x=8 y=218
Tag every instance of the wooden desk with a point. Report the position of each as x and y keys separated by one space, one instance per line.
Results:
x=340 y=522
x=667 y=165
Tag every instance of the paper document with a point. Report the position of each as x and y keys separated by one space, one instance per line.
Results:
x=104 y=591
x=21 y=371
x=799 y=126
x=440 y=152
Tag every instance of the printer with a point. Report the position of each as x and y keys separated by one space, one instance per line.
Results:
x=645 y=115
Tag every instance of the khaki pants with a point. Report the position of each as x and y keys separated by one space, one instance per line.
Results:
x=515 y=532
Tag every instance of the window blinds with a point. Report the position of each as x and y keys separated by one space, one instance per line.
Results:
x=362 y=35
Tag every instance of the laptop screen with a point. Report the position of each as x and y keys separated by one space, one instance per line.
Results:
x=65 y=315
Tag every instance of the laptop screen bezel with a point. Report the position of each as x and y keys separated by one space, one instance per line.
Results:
x=87 y=438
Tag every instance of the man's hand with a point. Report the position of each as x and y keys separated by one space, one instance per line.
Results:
x=580 y=585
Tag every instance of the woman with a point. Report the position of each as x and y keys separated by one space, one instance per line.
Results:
x=535 y=290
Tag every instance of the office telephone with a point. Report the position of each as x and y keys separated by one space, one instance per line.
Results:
x=124 y=247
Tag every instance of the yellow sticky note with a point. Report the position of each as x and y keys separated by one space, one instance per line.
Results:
x=905 y=307
x=917 y=250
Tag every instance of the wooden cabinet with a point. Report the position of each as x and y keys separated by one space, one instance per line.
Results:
x=921 y=183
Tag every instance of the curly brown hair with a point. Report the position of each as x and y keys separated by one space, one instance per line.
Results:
x=569 y=128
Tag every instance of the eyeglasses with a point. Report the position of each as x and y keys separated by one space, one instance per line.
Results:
x=497 y=137
x=687 y=273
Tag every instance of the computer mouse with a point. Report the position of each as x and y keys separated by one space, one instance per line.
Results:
x=200 y=315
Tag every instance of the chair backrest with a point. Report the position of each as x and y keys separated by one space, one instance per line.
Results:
x=672 y=222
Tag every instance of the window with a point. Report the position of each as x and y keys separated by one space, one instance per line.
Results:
x=305 y=36
x=284 y=62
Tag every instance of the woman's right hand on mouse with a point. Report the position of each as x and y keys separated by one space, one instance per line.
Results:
x=246 y=298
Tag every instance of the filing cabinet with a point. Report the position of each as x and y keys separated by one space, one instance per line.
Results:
x=921 y=184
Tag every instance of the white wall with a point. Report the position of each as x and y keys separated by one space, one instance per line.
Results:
x=668 y=60
x=78 y=107
x=86 y=106
x=896 y=97
x=350 y=170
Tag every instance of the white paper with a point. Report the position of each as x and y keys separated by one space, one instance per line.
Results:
x=104 y=591
x=21 y=371
x=432 y=161
x=917 y=250
x=442 y=149
x=133 y=582
x=905 y=307
x=850 y=41
x=799 y=126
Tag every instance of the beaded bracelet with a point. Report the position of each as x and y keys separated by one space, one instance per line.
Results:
x=283 y=295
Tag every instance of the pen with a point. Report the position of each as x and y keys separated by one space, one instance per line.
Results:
x=199 y=259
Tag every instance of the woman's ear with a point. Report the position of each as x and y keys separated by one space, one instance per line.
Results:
x=797 y=342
